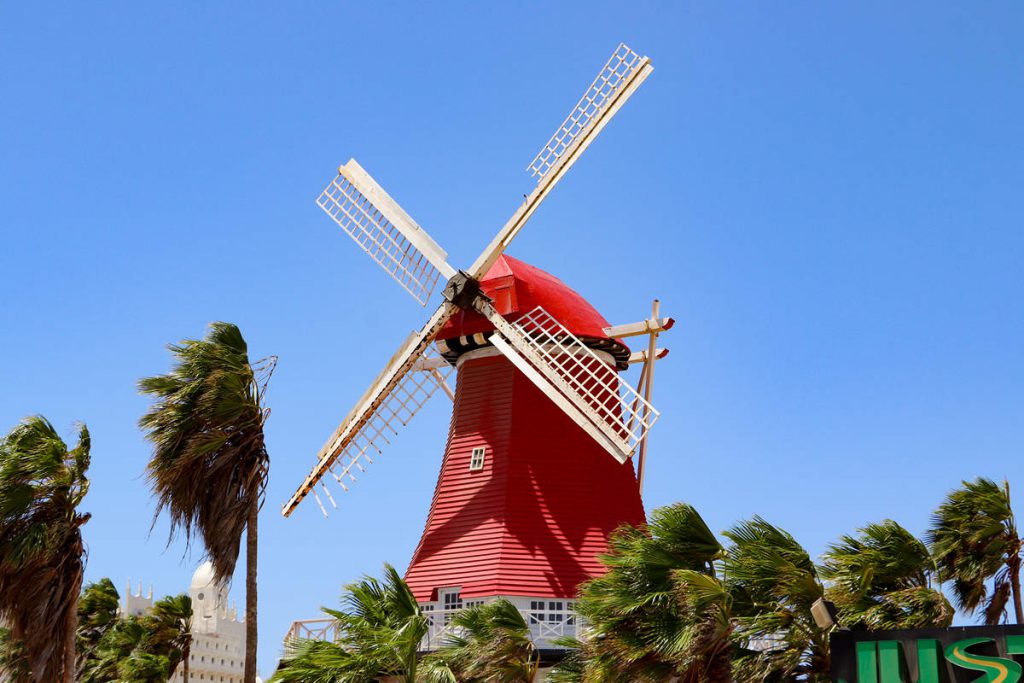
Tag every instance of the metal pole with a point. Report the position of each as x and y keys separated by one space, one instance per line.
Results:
x=652 y=343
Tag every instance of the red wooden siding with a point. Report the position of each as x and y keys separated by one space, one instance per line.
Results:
x=534 y=520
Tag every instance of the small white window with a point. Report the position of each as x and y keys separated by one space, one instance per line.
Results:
x=476 y=462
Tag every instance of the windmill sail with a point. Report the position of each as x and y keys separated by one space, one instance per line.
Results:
x=383 y=230
x=619 y=78
x=615 y=83
x=392 y=400
x=576 y=379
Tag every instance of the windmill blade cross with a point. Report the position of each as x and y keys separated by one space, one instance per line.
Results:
x=555 y=360
x=385 y=231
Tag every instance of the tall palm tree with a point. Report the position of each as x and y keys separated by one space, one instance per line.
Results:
x=773 y=583
x=97 y=614
x=488 y=643
x=170 y=626
x=974 y=539
x=209 y=465
x=644 y=623
x=42 y=484
x=381 y=628
x=883 y=579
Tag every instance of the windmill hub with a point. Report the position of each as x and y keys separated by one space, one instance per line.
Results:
x=462 y=290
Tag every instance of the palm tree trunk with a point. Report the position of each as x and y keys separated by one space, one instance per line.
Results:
x=69 y=637
x=251 y=538
x=1015 y=586
x=184 y=660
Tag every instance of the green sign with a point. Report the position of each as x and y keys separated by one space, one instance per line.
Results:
x=967 y=655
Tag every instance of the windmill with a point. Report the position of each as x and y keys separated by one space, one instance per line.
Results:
x=511 y=518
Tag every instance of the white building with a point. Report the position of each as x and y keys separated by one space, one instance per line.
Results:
x=218 y=635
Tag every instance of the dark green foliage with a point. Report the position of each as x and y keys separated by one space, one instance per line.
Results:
x=884 y=578
x=97 y=614
x=773 y=583
x=132 y=649
x=380 y=627
x=974 y=540
x=42 y=483
x=652 y=615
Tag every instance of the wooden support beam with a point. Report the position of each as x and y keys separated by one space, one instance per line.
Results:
x=653 y=325
x=641 y=357
x=648 y=385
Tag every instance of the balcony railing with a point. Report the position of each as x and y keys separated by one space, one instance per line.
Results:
x=313 y=629
x=546 y=625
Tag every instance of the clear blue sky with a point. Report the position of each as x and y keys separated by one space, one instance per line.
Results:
x=827 y=197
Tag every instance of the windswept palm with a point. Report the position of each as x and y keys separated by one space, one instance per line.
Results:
x=97 y=615
x=883 y=579
x=644 y=623
x=974 y=540
x=127 y=637
x=170 y=626
x=489 y=643
x=42 y=483
x=381 y=628
x=209 y=465
x=773 y=584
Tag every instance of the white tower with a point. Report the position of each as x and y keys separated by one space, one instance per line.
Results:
x=218 y=637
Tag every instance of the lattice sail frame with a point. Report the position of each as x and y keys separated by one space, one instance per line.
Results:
x=607 y=400
x=612 y=79
x=378 y=225
x=409 y=395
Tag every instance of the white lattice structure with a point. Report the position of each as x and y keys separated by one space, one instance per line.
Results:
x=577 y=378
x=548 y=619
x=383 y=230
x=313 y=629
x=398 y=407
x=610 y=82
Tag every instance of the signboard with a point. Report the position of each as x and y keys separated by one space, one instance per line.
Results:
x=970 y=654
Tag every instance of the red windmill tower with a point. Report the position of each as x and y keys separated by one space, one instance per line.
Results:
x=537 y=469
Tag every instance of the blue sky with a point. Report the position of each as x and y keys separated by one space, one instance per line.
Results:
x=827 y=197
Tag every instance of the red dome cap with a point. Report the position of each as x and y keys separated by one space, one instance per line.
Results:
x=517 y=288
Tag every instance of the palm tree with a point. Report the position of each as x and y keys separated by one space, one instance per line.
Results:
x=124 y=639
x=97 y=614
x=488 y=643
x=170 y=626
x=143 y=667
x=209 y=465
x=974 y=540
x=42 y=483
x=773 y=583
x=882 y=579
x=645 y=622
x=380 y=630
